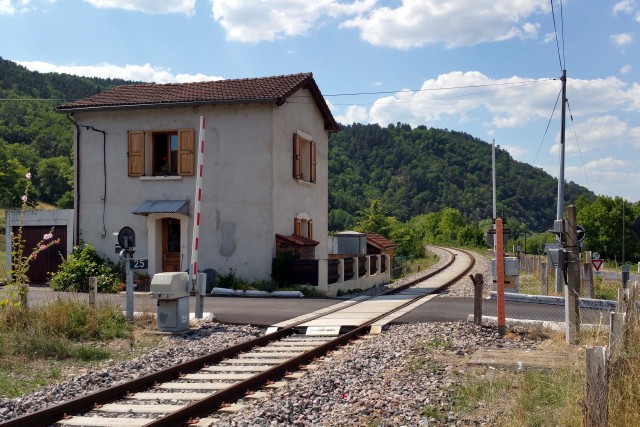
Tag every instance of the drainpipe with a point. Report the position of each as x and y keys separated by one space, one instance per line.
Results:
x=76 y=212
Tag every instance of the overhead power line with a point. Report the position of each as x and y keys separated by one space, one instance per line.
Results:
x=548 y=124
x=440 y=88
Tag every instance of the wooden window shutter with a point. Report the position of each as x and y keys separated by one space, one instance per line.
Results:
x=313 y=161
x=297 y=224
x=297 y=163
x=186 y=152
x=310 y=229
x=136 y=153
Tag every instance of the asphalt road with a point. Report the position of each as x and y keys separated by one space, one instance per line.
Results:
x=268 y=311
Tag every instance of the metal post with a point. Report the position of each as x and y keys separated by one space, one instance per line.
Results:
x=499 y=250
x=127 y=257
x=193 y=271
x=201 y=285
x=572 y=287
x=478 y=282
x=560 y=204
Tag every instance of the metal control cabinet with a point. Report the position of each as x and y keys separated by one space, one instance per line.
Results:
x=172 y=292
x=511 y=274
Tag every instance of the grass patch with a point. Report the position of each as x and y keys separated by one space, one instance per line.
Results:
x=431 y=412
x=36 y=343
x=20 y=375
x=529 y=398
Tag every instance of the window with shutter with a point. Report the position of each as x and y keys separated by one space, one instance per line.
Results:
x=136 y=153
x=297 y=164
x=304 y=158
x=297 y=226
x=313 y=162
x=186 y=152
x=310 y=229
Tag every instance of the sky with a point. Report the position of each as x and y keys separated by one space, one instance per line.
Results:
x=490 y=68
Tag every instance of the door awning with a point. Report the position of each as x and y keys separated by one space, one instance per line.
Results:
x=162 y=206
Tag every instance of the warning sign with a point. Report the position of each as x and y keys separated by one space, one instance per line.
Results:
x=597 y=263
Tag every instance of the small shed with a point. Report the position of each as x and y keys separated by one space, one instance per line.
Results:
x=349 y=243
x=377 y=244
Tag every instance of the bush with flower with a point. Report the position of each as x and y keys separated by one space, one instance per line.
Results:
x=15 y=293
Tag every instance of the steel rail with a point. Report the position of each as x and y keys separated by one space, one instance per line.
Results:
x=85 y=403
x=238 y=390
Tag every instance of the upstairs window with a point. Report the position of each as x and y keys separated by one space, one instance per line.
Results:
x=165 y=153
x=304 y=158
x=168 y=152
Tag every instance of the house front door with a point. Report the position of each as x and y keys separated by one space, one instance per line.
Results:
x=170 y=244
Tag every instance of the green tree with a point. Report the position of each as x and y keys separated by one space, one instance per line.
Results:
x=54 y=177
x=374 y=220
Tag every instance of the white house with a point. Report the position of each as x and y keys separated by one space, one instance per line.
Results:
x=265 y=171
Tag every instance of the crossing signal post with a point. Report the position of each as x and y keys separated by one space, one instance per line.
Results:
x=499 y=251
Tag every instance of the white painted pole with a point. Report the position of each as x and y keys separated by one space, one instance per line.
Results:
x=193 y=271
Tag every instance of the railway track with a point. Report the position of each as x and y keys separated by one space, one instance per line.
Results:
x=182 y=394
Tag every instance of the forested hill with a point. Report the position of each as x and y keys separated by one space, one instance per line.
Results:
x=33 y=137
x=412 y=171
x=18 y=80
x=422 y=170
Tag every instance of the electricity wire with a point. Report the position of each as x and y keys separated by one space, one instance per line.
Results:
x=548 y=124
x=575 y=134
x=439 y=88
x=555 y=30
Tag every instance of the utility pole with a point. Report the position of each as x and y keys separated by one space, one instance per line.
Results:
x=493 y=169
x=560 y=210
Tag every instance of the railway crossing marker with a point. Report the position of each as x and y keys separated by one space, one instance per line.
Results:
x=597 y=263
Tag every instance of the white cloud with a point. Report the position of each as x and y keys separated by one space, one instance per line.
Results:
x=602 y=133
x=144 y=73
x=549 y=38
x=186 y=7
x=412 y=24
x=254 y=21
x=511 y=102
x=416 y=23
x=354 y=114
x=624 y=6
x=517 y=152
x=621 y=40
x=11 y=7
x=608 y=176
x=625 y=69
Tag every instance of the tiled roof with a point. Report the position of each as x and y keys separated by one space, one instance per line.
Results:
x=297 y=240
x=380 y=241
x=276 y=89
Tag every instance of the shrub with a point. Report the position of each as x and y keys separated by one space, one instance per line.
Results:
x=266 y=285
x=84 y=262
x=228 y=280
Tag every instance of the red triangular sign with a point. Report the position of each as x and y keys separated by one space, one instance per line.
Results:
x=597 y=263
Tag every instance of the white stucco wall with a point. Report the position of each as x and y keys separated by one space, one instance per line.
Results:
x=297 y=198
x=249 y=193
